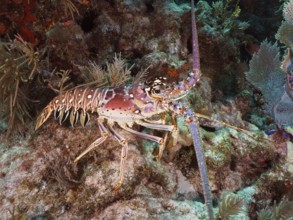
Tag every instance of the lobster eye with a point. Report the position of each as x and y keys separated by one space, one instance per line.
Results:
x=157 y=91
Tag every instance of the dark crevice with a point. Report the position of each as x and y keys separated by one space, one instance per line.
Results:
x=149 y=6
x=88 y=22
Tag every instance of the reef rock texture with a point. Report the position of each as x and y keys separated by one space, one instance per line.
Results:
x=38 y=181
x=65 y=43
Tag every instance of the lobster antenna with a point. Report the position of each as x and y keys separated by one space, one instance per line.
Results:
x=202 y=168
x=194 y=123
x=195 y=50
x=246 y=132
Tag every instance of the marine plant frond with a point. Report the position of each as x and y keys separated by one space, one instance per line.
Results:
x=265 y=73
x=248 y=192
x=285 y=31
x=140 y=76
x=118 y=71
x=18 y=111
x=28 y=55
x=228 y=9
x=93 y=74
x=284 y=210
x=59 y=80
x=264 y=214
x=115 y=73
x=64 y=78
x=175 y=7
x=19 y=64
x=69 y=7
x=220 y=23
x=231 y=204
x=265 y=61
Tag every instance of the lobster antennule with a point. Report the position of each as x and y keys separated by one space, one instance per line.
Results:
x=45 y=114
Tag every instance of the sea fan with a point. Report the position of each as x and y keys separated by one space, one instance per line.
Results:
x=288 y=12
x=285 y=34
x=265 y=74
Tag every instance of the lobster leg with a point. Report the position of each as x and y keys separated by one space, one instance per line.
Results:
x=143 y=135
x=171 y=128
x=156 y=126
x=104 y=135
x=124 y=152
x=174 y=132
x=159 y=140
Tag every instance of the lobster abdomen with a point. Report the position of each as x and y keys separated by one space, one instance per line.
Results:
x=75 y=103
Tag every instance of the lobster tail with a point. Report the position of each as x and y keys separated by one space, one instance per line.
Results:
x=45 y=114
x=73 y=104
x=73 y=118
x=62 y=115
x=84 y=118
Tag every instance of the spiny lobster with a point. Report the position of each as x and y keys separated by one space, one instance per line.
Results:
x=135 y=104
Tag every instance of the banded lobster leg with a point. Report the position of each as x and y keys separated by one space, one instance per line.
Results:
x=159 y=140
x=104 y=135
x=162 y=127
x=122 y=141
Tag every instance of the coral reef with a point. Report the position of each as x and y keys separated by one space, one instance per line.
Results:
x=67 y=43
